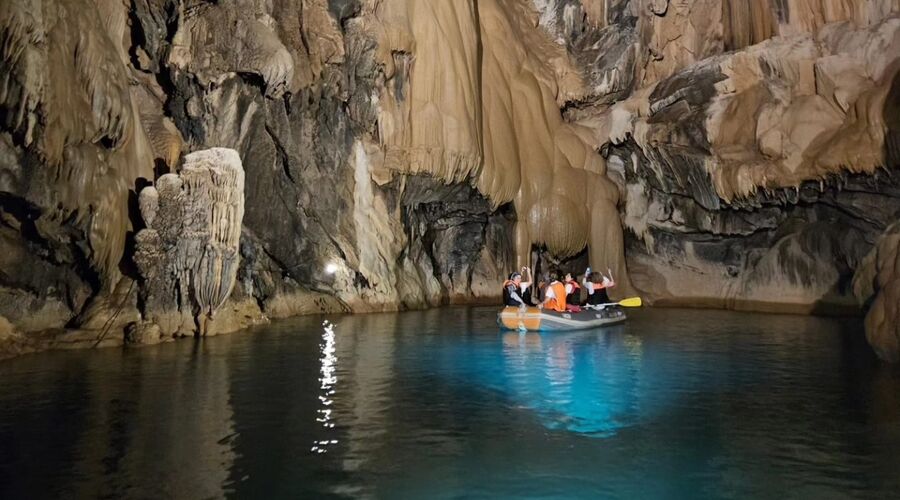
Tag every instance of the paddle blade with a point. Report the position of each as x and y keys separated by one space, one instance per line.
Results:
x=631 y=302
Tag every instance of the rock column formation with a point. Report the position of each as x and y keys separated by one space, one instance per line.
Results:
x=188 y=253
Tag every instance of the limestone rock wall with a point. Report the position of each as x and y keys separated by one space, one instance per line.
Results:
x=407 y=153
x=72 y=146
x=101 y=99
x=878 y=283
x=753 y=143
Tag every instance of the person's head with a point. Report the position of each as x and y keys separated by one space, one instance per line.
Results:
x=515 y=278
x=568 y=276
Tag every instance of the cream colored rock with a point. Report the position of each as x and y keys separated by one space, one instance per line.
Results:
x=499 y=122
x=188 y=256
x=815 y=103
x=206 y=41
x=214 y=188
x=430 y=111
x=148 y=201
x=556 y=179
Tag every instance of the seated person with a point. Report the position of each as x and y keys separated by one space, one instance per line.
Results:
x=555 y=296
x=573 y=291
x=597 y=289
x=515 y=291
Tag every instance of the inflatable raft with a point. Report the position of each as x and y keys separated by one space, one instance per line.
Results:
x=540 y=320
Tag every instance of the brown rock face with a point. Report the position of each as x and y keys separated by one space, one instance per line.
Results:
x=409 y=153
x=878 y=282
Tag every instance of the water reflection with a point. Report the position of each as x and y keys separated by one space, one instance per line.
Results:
x=154 y=423
x=327 y=381
x=586 y=382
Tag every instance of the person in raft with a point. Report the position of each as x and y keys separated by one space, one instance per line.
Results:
x=555 y=295
x=573 y=290
x=515 y=291
x=597 y=289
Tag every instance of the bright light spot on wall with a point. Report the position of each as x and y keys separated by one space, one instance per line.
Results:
x=331 y=268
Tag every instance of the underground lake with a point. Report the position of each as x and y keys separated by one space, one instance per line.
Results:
x=442 y=404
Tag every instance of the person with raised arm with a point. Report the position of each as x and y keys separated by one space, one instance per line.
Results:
x=596 y=285
x=516 y=292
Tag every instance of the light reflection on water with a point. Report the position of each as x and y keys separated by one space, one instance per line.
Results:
x=440 y=404
x=327 y=382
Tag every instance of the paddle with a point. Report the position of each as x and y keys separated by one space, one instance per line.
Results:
x=629 y=302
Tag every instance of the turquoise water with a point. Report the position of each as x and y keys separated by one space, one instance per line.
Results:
x=441 y=404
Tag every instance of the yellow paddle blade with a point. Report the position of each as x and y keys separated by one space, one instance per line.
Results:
x=631 y=302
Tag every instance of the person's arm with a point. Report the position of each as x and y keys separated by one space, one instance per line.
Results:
x=602 y=285
x=548 y=294
x=526 y=282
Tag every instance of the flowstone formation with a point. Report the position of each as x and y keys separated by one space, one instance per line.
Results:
x=188 y=255
x=503 y=82
x=410 y=153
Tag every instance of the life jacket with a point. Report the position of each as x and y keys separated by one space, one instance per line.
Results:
x=558 y=303
x=507 y=299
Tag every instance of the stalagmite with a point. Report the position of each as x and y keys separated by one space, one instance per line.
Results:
x=188 y=254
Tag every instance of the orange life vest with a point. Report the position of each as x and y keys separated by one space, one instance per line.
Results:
x=557 y=303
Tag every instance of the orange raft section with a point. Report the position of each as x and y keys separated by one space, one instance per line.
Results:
x=533 y=319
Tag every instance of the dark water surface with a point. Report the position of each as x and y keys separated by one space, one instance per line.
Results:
x=440 y=404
